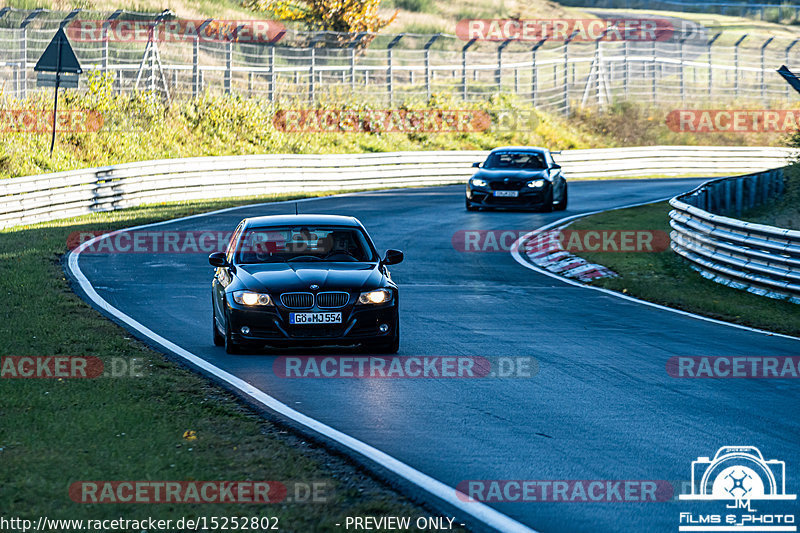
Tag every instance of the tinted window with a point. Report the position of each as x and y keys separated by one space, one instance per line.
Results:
x=271 y=245
x=516 y=161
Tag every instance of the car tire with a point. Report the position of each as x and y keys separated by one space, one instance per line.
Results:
x=562 y=204
x=469 y=206
x=548 y=202
x=230 y=346
x=219 y=339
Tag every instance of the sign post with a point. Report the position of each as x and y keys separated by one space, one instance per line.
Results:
x=57 y=67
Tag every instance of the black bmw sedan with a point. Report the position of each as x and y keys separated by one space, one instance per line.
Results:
x=518 y=178
x=304 y=280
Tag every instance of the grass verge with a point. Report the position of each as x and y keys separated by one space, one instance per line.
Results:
x=56 y=432
x=665 y=278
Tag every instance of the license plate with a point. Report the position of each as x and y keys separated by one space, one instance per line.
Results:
x=507 y=194
x=315 y=318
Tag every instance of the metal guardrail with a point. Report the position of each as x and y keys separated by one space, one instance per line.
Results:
x=32 y=199
x=761 y=259
x=741 y=8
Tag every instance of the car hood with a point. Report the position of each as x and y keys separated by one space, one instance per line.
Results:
x=493 y=175
x=283 y=277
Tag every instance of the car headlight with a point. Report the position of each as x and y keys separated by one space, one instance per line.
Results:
x=251 y=298
x=380 y=296
x=477 y=182
x=536 y=184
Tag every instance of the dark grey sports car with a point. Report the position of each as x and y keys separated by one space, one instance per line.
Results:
x=518 y=178
x=304 y=280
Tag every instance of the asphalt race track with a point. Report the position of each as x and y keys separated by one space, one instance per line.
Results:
x=602 y=406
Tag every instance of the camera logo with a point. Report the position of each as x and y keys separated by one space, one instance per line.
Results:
x=738 y=473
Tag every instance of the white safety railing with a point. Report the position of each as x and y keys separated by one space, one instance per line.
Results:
x=60 y=195
x=761 y=259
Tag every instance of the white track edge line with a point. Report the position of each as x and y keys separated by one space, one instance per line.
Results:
x=527 y=264
x=477 y=510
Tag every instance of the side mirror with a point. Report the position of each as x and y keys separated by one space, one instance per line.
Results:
x=217 y=259
x=556 y=166
x=393 y=257
x=476 y=165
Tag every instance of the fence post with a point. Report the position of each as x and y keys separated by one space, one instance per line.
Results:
x=464 y=68
x=389 y=69
x=763 y=67
x=566 y=73
x=271 y=78
x=626 y=71
x=710 y=68
x=196 y=67
x=683 y=77
x=312 y=96
x=22 y=78
x=786 y=62
x=498 y=76
x=653 y=75
x=228 y=67
x=535 y=73
x=428 y=64
x=736 y=65
x=739 y=195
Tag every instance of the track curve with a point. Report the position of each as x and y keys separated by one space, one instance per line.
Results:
x=601 y=407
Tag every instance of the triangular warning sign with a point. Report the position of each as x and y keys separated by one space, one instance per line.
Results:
x=58 y=56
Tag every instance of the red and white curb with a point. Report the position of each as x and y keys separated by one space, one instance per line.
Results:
x=545 y=251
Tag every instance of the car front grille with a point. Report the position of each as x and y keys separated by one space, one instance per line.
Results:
x=511 y=185
x=297 y=300
x=332 y=300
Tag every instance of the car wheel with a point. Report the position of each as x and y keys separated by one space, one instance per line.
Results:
x=470 y=207
x=219 y=339
x=230 y=346
x=548 y=202
x=562 y=204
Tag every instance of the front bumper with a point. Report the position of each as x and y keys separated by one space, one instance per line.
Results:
x=270 y=325
x=527 y=197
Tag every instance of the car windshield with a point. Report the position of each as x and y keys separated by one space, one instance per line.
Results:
x=516 y=161
x=303 y=244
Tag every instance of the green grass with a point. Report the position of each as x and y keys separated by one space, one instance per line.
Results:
x=666 y=278
x=55 y=432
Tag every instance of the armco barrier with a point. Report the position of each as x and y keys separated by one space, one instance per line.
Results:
x=46 y=197
x=761 y=259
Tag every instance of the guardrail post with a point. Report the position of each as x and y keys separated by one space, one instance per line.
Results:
x=739 y=195
x=626 y=71
x=464 y=68
x=736 y=65
x=312 y=96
